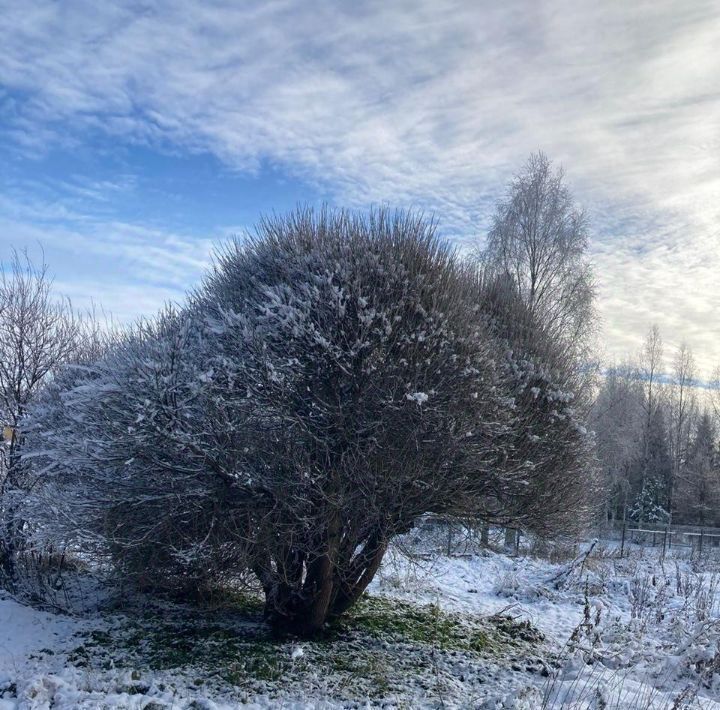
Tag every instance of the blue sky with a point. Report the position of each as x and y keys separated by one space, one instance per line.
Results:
x=134 y=135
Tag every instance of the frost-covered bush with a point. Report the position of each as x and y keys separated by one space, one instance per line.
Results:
x=551 y=391
x=334 y=378
x=370 y=396
x=126 y=463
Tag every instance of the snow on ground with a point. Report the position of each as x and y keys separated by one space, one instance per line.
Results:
x=632 y=632
x=485 y=585
x=24 y=630
x=435 y=632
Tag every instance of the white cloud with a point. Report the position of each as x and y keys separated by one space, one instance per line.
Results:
x=431 y=103
x=128 y=269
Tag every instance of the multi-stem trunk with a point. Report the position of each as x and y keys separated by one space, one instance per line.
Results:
x=328 y=588
x=300 y=605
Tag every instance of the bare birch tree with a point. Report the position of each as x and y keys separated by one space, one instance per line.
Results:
x=38 y=333
x=539 y=238
x=683 y=411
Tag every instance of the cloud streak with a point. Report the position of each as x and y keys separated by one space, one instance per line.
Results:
x=157 y=266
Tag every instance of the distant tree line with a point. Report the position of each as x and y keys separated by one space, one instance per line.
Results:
x=657 y=439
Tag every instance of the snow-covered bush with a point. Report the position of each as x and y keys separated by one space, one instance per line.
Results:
x=334 y=378
x=551 y=390
x=126 y=460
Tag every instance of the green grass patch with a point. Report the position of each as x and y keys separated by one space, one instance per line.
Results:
x=426 y=624
x=366 y=652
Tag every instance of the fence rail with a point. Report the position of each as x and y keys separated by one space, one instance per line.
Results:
x=695 y=537
x=456 y=537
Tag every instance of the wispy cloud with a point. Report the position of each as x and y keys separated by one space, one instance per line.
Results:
x=127 y=268
x=432 y=103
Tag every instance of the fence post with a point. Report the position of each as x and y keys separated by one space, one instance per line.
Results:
x=665 y=540
x=449 y=540
x=702 y=533
x=510 y=538
x=485 y=535
x=517 y=543
x=622 y=540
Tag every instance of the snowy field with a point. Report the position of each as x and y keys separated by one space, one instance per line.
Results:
x=479 y=630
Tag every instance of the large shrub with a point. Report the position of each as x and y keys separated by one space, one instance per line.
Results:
x=334 y=378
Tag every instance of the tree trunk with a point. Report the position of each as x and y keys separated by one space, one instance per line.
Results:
x=10 y=541
x=10 y=544
x=8 y=551
x=303 y=611
x=510 y=537
x=362 y=574
x=485 y=535
x=7 y=567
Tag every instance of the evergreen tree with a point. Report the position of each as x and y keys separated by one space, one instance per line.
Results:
x=700 y=485
x=655 y=467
